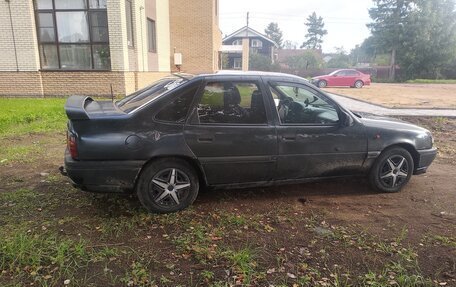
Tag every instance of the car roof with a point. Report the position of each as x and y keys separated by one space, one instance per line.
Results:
x=251 y=73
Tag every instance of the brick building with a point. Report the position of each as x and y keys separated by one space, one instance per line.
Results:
x=64 y=47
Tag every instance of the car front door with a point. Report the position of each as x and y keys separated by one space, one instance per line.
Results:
x=231 y=133
x=315 y=137
x=338 y=79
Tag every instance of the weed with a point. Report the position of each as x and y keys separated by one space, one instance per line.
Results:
x=138 y=275
x=243 y=263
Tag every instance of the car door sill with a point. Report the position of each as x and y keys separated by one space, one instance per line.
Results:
x=278 y=182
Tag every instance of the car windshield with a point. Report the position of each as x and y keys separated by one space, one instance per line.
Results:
x=149 y=93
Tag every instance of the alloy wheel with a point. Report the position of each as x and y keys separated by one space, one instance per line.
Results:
x=169 y=187
x=358 y=84
x=394 y=171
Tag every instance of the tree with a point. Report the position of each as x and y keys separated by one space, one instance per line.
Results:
x=390 y=17
x=290 y=45
x=274 y=33
x=340 y=59
x=430 y=46
x=315 y=32
x=258 y=62
x=307 y=60
x=419 y=35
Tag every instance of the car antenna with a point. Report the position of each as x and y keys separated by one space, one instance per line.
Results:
x=112 y=94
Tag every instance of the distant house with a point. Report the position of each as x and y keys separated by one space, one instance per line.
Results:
x=258 y=43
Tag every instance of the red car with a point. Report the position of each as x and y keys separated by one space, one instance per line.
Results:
x=347 y=77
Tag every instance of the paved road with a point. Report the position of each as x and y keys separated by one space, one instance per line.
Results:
x=364 y=107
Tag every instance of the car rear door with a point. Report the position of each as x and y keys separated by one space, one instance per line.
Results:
x=350 y=78
x=231 y=132
x=314 y=140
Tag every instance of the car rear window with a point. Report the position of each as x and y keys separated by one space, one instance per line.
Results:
x=149 y=93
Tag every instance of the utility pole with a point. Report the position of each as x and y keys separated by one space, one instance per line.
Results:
x=246 y=48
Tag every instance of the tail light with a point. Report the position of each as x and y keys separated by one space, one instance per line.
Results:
x=72 y=145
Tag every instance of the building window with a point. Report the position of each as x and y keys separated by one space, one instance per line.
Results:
x=257 y=43
x=237 y=42
x=237 y=63
x=73 y=35
x=151 y=36
x=129 y=12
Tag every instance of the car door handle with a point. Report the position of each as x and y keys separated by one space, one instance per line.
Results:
x=205 y=139
x=289 y=138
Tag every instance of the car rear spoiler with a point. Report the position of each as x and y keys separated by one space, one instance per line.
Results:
x=75 y=107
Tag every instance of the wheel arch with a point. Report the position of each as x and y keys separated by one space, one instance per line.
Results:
x=194 y=163
x=358 y=80
x=408 y=147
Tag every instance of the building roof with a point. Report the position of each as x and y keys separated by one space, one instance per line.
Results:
x=247 y=32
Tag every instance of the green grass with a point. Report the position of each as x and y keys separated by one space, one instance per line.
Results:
x=30 y=115
x=428 y=81
x=44 y=258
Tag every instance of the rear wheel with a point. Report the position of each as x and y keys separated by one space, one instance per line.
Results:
x=392 y=170
x=322 y=84
x=359 y=84
x=167 y=185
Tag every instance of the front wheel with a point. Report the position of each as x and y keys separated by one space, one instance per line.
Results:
x=322 y=84
x=167 y=185
x=392 y=170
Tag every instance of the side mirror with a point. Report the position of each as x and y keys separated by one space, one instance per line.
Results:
x=335 y=75
x=347 y=120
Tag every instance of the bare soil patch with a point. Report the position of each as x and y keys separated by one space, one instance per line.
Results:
x=404 y=95
x=316 y=234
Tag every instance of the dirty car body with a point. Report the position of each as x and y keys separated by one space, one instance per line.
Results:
x=232 y=130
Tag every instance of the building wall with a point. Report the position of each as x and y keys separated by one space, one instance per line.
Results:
x=83 y=83
x=117 y=25
x=23 y=19
x=193 y=34
x=163 y=36
x=131 y=69
x=21 y=84
x=19 y=78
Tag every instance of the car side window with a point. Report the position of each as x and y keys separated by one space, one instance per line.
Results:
x=297 y=104
x=176 y=111
x=232 y=103
x=342 y=73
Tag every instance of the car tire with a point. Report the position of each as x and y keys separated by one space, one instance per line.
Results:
x=167 y=185
x=392 y=170
x=322 y=84
x=359 y=84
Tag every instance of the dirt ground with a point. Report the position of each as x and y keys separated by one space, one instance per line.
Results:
x=404 y=95
x=333 y=233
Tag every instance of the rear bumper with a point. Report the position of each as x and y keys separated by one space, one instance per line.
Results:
x=102 y=176
x=425 y=158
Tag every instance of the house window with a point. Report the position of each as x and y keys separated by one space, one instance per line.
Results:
x=151 y=36
x=237 y=63
x=237 y=42
x=257 y=43
x=129 y=14
x=73 y=35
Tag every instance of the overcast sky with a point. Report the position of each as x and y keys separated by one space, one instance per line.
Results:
x=345 y=20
